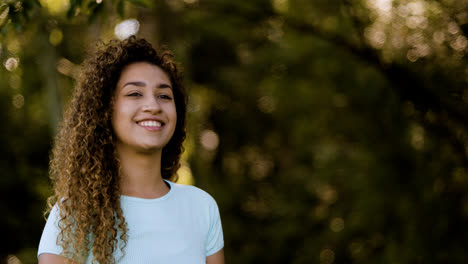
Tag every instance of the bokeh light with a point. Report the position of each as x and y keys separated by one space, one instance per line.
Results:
x=337 y=224
x=185 y=176
x=56 y=7
x=12 y=259
x=55 y=37
x=327 y=256
x=209 y=139
x=15 y=81
x=11 y=64
x=18 y=101
x=266 y=104
x=14 y=46
x=417 y=136
x=4 y=9
x=67 y=68
x=126 y=28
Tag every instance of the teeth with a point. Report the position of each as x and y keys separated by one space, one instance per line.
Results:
x=150 y=124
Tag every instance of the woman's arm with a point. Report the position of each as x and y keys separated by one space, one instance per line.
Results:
x=47 y=258
x=216 y=258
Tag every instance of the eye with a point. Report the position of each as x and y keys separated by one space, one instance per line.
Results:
x=165 y=96
x=134 y=94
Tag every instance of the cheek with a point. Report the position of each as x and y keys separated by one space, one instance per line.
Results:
x=119 y=114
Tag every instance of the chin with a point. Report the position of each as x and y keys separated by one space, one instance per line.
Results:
x=150 y=149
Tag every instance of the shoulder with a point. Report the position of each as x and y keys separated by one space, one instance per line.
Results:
x=193 y=193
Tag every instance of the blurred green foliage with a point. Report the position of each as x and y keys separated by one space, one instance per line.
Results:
x=328 y=131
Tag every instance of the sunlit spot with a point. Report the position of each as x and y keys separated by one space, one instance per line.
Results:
x=127 y=28
x=415 y=39
x=175 y=5
x=416 y=22
x=185 y=176
x=15 y=81
x=327 y=256
x=275 y=30
x=326 y=151
x=327 y=193
x=460 y=176
x=423 y=50
x=416 y=8
x=438 y=37
x=321 y=211
x=11 y=64
x=383 y=5
x=18 y=6
x=280 y=5
x=67 y=68
x=412 y=55
x=14 y=46
x=18 y=100
x=453 y=28
x=56 y=7
x=209 y=140
x=55 y=37
x=266 y=104
x=4 y=9
x=330 y=22
x=98 y=1
x=244 y=53
x=398 y=42
x=383 y=9
x=340 y=100
x=356 y=249
x=402 y=11
x=12 y=259
x=375 y=36
x=417 y=136
x=261 y=167
x=195 y=102
x=459 y=43
x=337 y=224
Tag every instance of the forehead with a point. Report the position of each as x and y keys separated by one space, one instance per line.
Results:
x=143 y=71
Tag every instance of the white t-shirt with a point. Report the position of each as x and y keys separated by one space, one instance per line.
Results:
x=183 y=226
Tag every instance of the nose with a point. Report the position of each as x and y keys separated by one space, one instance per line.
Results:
x=151 y=106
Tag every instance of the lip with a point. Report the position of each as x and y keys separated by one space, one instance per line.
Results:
x=151 y=128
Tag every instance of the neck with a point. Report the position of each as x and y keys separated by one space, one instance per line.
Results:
x=141 y=174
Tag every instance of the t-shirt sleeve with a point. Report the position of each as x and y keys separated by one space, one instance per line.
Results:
x=48 y=243
x=215 y=234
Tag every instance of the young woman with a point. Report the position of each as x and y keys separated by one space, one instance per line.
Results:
x=118 y=147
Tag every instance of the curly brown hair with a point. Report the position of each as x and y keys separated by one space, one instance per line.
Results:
x=84 y=167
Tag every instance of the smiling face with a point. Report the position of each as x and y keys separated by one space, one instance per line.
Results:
x=144 y=116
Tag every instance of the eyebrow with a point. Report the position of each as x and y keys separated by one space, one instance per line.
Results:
x=142 y=84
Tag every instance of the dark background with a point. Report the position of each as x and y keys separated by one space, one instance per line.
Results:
x=329 y=131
